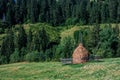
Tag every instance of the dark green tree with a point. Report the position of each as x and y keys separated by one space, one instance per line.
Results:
x=14 y=57
x=41 y=40
x=108 y=42
x=10 y=15
x=29 y=40
x=104 y=13
x=95 y=35
x=22 y=38
x=113 y=10
x=18 y=15
x=118 y=13
x=7 y=47
x=33 y=11
x=65 y=49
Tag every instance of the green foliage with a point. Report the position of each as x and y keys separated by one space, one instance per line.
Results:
x=104 y=13
x=1 y=30
x=22 y=38
x=71 y=21
x=60 y=12
x=95 y=36
x=15 y=56
x=23 y=53
x=108 y=41
x=7 y=47
x=3 y=59
x=66 y=47
x=78 y=36
x=33 y=56
x=29 y=40
x=113 y=10
x=41 y=40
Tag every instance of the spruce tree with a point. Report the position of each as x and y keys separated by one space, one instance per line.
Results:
x=29 y=40
x=22 y=38
x=7 y=47
x=34 y=11
x=10 y=15
x=113 y=10
x=118 y=13
x=41 y=40
x=104 y=13
x=95 y=35
x=17 y=12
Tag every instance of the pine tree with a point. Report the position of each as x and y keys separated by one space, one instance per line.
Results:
x=113 y=10
x=108 y=42
x=95 y=35
x=118 y=13
x=115 y=44
x=17 y=12
x=41 y=40
x=10 y=15
x=104 y=13
x=44 y=15
x=29 y=40
x=67 y=46
x=83 y=12
x=3 y=8
x=34 y=11
x=22 y=38
x=23 y=10
x=7 y=47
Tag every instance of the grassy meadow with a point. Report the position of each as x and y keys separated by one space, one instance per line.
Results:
x=107 y=69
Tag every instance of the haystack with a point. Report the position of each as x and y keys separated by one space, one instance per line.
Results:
x=80 y=55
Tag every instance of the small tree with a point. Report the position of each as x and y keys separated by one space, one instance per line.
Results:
x=29 y=40
x=22 y=38
x=7 y=47
x=15 y=56
x=66 y=47
x=33 y=56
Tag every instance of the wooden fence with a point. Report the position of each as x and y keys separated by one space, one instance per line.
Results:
x=66 y=60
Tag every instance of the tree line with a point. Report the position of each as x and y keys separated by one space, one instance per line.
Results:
x=60 y=12
x=19 y=46
x=17 y=43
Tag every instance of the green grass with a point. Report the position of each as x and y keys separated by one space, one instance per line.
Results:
x=107 y=69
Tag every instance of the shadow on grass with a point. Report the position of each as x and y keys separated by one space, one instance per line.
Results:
x=77 y=65
x=83 y=64
x=96 y=61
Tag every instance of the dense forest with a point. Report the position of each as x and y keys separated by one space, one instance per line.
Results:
x=21 y=45
x=60 y=12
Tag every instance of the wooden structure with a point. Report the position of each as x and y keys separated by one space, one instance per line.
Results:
x=66 y=61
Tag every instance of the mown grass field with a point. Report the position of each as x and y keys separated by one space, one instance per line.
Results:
x=107 y=69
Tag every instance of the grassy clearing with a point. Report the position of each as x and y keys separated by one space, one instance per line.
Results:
x=108 y=69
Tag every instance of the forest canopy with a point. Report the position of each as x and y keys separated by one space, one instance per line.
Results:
x=60 y=12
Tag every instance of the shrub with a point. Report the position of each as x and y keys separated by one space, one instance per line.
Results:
x=71 y=21
x=15 y=56
x=1 y=30
x=3 y=60
x=33 y=56
x=65 y=48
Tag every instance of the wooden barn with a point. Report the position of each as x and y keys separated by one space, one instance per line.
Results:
x=80 y=55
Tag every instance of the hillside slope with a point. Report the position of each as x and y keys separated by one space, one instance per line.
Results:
x=107 y=69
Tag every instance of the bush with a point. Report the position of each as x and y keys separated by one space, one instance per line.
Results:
x=33 y=56
x=65 y=48
x=15 y=56
x=1 y=31
x=71 y=21
x=3 y=60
